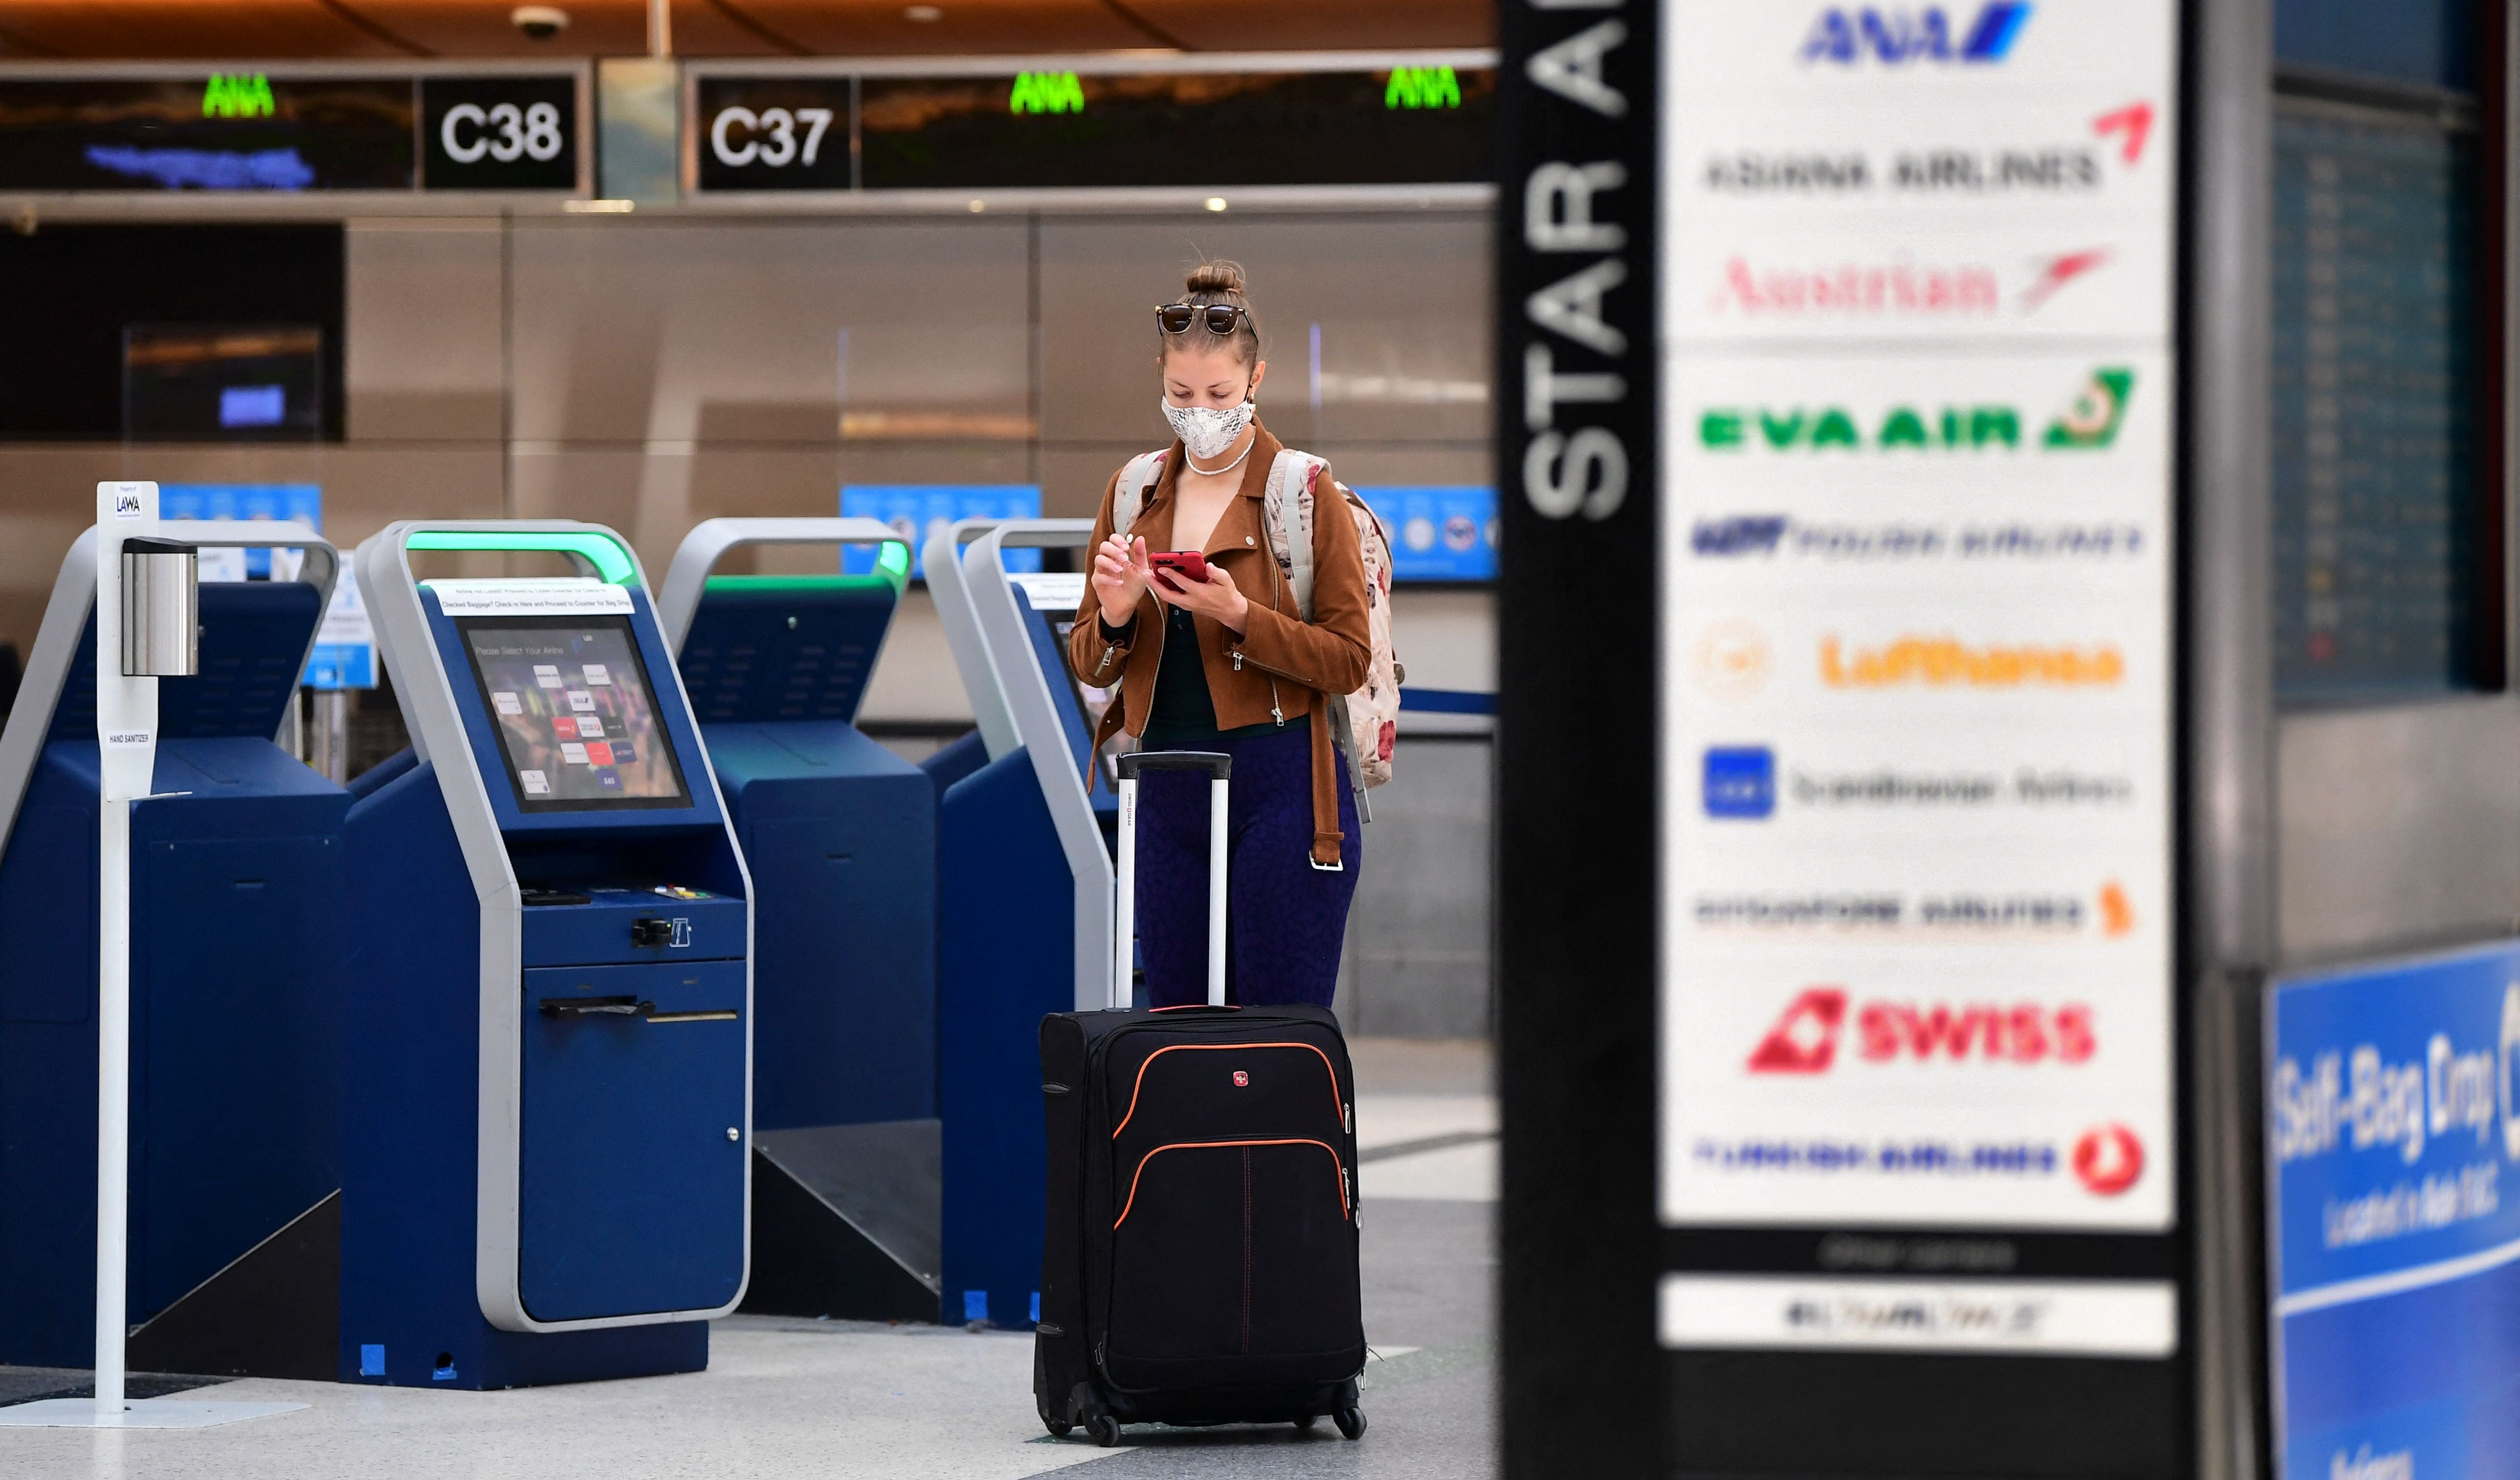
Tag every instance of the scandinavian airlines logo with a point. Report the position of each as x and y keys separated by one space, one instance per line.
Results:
x=1854 y=36
x=1805 y=1037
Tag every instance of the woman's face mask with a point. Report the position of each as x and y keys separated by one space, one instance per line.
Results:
x=1207 y=430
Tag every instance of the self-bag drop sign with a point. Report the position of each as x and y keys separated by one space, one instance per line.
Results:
x=2391 y=1124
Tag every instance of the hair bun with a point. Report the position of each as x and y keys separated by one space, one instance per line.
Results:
x=1216 y=277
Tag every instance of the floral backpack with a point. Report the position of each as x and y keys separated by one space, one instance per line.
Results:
x=1367 y=722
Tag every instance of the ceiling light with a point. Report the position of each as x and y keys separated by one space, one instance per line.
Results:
x=1216 y=202
x=923 y=14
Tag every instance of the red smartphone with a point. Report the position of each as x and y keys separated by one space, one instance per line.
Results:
x=1188 y=565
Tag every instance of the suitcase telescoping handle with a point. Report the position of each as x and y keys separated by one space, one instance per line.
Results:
x=1124 y=925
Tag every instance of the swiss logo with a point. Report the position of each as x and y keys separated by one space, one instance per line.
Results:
x=1241 y=1079
x=1804 y=1039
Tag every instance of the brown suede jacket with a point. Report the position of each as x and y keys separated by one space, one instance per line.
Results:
x=1278 y=669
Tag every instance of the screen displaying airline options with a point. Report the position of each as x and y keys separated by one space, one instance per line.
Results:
x=577 y=722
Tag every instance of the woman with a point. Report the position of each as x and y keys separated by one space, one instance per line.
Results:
x=1230 y=664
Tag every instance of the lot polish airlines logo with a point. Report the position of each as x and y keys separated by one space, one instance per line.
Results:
x=1851 y=35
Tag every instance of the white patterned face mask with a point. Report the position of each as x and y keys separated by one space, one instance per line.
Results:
x=1206 y=431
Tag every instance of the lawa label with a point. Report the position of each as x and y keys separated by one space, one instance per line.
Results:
x=2088 y=421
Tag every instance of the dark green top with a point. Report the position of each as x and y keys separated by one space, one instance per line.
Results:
x=1184 y=716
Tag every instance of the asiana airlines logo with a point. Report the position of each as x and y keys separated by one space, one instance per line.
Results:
x=2090 y=420
x=1944 y=662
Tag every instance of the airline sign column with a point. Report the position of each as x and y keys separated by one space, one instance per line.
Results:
x=1916 y=910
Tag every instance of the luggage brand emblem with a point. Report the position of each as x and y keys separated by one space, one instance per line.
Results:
x=1241 y=1079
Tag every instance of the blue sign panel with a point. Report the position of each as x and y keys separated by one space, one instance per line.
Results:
x=918 y=511
x=302 y=501
x=1438 y=533
x=2390 y=1117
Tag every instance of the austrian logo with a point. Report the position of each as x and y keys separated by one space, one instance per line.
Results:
x=2089 y=422
x=1898 y=36
x=1805 y=1037
x=1893 y=289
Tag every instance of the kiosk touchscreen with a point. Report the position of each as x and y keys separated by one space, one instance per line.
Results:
x=546 y=1125
x=237 y=913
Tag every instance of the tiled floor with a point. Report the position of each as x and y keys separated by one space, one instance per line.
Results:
x=793 y=1399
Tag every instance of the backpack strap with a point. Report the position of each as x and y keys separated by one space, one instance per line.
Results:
x=1287 y=510
x=1138 y=480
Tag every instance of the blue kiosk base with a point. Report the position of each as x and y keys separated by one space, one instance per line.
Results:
x=410 y=1314
x=1006 y=959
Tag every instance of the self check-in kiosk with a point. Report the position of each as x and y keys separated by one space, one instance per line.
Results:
x=839 y=836
x=236 y=917
x=1023 y=901
x=547 y=1019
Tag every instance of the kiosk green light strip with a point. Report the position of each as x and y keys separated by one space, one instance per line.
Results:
x=611 y=560
x=891 y=573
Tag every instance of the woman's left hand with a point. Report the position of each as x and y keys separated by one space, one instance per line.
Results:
x=1217 y=597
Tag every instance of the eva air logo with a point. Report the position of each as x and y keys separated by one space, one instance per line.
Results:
x=2089 y=422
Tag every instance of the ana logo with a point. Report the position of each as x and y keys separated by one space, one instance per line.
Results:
x=1739 y=782
x=1733 y=659
x=1241 y=1080
x=2089 y=422
x=1805 y=1037
x=2108 y=1160
x=1944 y=662
x=1847 y=36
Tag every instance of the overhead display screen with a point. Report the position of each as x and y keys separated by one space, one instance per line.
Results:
x=260 y=131
x=577 y=722
x=223 y=131
x=1405 y=125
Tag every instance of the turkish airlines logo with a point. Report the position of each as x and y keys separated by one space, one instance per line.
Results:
x=1805 y=1037
x=2108 y=1160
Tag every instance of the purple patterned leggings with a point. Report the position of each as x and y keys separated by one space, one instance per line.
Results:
x=1284 y=918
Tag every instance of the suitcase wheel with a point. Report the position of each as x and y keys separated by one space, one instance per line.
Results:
x=1308 y=1420
x=1059 y=1427
x=1350 y=1421
x=1105 y=1430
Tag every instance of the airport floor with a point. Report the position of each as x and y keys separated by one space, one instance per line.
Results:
x=790 y=1397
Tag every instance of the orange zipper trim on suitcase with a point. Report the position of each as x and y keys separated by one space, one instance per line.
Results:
x=1338 y=1109
x=1196 y=1145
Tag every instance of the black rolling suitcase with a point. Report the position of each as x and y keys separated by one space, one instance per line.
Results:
x=1199 y=1265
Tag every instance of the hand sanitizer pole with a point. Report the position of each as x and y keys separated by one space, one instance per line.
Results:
x=146 y=626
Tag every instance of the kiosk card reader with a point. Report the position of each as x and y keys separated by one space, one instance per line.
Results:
x=236 y=912
x=1024 y=899
x=839 y=834
x=549 y=1020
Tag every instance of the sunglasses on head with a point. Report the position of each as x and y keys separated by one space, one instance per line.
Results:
x=1177 y=318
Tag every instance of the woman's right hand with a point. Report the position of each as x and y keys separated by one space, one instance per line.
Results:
x=1121 y=578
